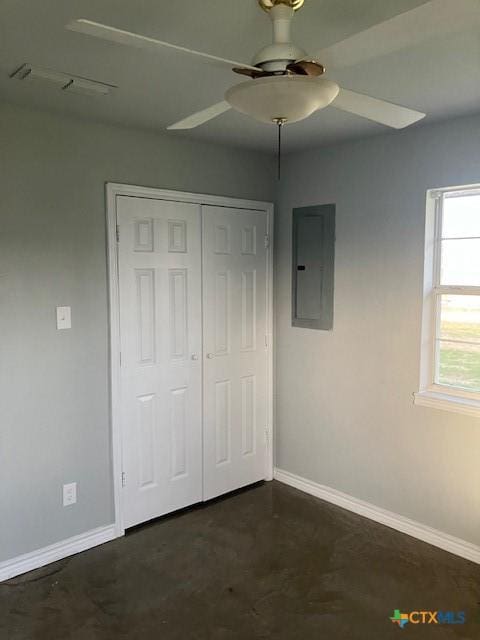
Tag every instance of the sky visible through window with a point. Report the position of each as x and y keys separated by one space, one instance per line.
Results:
x=459 y=331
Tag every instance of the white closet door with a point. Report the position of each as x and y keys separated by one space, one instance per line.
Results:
x=161 y=358
x=235 y=359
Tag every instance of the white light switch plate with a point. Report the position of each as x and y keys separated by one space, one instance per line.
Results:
x=64 y=318
x=69 y=494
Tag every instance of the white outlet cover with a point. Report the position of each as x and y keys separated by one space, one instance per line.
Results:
x=69 y=494
x=64 y=317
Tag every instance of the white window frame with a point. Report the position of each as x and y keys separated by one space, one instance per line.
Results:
x=432 y=394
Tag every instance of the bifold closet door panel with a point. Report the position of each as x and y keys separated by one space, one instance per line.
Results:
x=161 y=355
x=235 y=359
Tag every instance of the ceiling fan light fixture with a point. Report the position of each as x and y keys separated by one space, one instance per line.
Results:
x=286 y=84
x=292 y=98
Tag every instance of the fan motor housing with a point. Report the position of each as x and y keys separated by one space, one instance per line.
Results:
x=278 y=55
x=275 y=57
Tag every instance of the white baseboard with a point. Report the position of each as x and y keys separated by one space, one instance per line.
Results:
x=58 y=551
x=400 y=523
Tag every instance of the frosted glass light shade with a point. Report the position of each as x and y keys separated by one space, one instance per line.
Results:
x=291 y=97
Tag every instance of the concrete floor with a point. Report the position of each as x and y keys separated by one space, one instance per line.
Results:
x=267 y=562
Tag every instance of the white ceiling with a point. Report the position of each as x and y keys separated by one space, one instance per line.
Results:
x=440 y=77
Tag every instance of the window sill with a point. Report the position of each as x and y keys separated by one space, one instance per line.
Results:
x=447 y=402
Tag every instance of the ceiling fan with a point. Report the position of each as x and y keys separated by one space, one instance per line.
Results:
x=286 y=85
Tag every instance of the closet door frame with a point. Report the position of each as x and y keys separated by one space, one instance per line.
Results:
x=113 y=190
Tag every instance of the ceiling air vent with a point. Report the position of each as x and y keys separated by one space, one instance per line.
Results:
x=64 y=81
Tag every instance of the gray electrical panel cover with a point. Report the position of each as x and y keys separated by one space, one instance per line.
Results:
x=313 y=266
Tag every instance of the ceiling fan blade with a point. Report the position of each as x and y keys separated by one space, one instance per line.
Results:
x=196 y=119
x=391 y=115
x=119 y=36
x=433 y=19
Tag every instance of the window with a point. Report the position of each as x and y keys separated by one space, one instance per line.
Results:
x=450 y=367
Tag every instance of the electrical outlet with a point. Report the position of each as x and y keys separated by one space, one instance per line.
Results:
x=69 y=494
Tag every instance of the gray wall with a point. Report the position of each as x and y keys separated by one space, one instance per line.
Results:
x=54 y=415
x=344 y=414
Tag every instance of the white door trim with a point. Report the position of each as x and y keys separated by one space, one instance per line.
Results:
x=113 y=190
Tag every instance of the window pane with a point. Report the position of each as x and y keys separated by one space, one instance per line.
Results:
x=460 y=262
x=460 y=318
x=459 y=365
x=461 y=217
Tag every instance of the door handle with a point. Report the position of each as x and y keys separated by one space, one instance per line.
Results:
x=210 y=356
x=194 y=356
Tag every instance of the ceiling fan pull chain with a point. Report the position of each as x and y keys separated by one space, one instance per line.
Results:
x=279 y=122
x=279 y=150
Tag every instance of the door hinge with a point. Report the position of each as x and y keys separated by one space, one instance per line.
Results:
x=117 y=232
x=266 y=341
x=267 y=241
x=124 y=478
x=120 y=358
x=267 y=436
